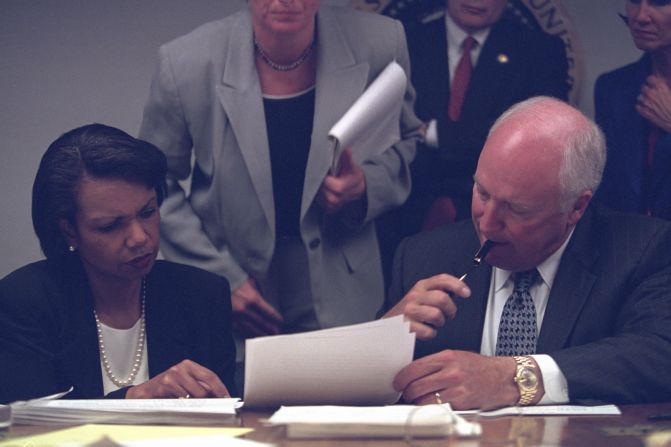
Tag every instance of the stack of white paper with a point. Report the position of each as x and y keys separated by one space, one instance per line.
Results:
x=349 y=365
x=126 y=411
x=378 y=422
x=371 y=124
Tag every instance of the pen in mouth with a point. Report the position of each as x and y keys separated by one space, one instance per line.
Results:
x=479 y=256
x=477 y=259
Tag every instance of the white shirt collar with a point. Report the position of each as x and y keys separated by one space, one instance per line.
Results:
x=455 y=35
x=547 y=269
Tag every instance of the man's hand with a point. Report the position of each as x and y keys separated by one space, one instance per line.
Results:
x=654 y=102
x=253 y=316
x=464 y=379
x=429 y=303
x=339 y=190
x=186 y=378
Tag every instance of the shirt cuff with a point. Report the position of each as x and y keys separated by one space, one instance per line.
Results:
x=554 y=382
x=431 y=137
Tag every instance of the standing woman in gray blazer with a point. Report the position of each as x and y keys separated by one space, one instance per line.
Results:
x=252 y=97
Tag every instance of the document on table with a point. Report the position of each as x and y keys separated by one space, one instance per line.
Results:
x=349 y=365
x=122 y=411
x=391 y=421
x=134 y=435
x=371 y=124
x=549 y=410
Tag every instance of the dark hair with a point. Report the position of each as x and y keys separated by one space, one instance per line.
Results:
x=95 y=150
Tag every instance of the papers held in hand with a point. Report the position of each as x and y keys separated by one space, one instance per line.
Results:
x=371 y=124
x=349 y=365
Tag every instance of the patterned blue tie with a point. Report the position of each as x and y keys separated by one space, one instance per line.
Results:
x=517 y=328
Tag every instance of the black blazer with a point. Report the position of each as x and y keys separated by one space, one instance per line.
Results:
x=48 y=338
x=608 y=319
x=626 y=134
x=515 y=63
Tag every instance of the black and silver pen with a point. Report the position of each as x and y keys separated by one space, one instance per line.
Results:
x=479 y=256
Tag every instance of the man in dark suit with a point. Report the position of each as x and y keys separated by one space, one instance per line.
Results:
x=511 y=62
x=575 y=302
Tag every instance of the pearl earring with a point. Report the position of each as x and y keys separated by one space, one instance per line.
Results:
x=71 y=248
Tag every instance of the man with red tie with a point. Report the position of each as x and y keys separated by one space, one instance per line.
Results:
x=469 y=64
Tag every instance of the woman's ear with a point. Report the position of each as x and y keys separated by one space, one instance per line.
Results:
x=68 y=232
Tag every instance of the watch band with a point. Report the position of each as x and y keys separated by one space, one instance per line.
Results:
x=526 y=370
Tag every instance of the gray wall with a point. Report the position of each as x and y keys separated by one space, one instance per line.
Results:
x=70 y=62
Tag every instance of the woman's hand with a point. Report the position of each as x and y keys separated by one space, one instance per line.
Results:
x=185 y=379
x=654 y=102
x=339 y=190
x=253 y=316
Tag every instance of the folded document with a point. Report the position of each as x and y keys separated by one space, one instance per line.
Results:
x=392 y=421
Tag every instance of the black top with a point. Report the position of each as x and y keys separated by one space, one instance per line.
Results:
x=48 y=339
x=289 y=126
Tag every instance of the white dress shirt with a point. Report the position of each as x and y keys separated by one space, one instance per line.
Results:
x=120 y=345
x=500 y=289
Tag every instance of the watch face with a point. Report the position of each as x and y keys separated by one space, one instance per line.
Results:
x=527 y=378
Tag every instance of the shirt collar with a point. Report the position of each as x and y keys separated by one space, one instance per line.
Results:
x=455 y=35
x=547 y=269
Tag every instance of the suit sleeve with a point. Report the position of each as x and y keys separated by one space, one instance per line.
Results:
x=27 y=337
x=182 y=236
x=631 y=365
x=387 y=175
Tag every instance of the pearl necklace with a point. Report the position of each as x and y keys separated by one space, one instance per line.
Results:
x=137 y=361
x=283 y=67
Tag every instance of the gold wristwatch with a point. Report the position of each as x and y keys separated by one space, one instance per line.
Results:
x=526 y=379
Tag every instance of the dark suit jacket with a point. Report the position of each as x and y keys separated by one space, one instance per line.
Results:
x=536 y=65
x=48 y=338
x=608 y=319
x=626 y=133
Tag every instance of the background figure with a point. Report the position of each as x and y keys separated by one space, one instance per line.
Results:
x=633 y=107
x=252 y=97
x=100 y=314
x=570 y=292
x=509 y=62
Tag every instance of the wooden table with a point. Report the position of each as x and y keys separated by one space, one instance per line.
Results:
x=629 y=429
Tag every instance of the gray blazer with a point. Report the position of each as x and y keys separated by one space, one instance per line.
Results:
x=206 y=101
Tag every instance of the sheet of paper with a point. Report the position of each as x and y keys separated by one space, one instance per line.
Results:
x=371 y=124
x=549 y=410
x=380 y=422
x=351 y=365
x=126 y=411
x=134 y=435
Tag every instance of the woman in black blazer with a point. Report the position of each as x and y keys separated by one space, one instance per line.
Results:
x=100 y=314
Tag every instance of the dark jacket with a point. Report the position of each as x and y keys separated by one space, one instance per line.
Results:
x=48 y=338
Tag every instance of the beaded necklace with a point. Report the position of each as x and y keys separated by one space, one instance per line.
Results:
x=139 y=350
x=283 y=67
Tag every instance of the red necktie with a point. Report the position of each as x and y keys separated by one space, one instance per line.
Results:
x=462 y=76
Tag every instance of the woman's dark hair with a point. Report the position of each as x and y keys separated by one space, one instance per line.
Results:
x=98 y=151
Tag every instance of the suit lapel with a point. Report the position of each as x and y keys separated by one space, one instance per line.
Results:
x=571 y=288
x=340 y=81
x=489 y=77
x=80 y=357
x=240 y=96
x=472 y=310
x=465 y=331
x=167 y=331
